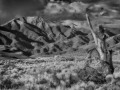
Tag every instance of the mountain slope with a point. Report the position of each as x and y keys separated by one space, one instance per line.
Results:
x=32 y=35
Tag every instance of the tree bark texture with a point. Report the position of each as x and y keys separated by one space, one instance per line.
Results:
x=101 y=45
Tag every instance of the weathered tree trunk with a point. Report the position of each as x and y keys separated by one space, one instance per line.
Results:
x=100 y=41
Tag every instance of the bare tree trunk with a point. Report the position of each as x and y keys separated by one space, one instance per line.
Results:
x=100 y=42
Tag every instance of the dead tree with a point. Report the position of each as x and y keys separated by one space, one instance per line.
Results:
x=101 y=45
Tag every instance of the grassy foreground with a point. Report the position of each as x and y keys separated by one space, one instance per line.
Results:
x=50 y=73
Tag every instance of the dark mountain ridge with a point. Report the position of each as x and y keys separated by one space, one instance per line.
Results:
x=32 y=35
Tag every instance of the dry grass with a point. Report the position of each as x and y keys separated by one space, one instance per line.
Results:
x=50 y=73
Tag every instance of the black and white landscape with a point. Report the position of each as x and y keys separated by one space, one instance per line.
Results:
x=45 y=44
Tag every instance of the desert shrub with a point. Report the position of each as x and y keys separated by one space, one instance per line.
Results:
x=118 y=82
x=86 y=74
x=74 y=78
x=42 y=81
x=31 y=87
x=55 y=81
x=53 y=85
x=43 y=88
x=3 y=71
x=17 y=84
x=49 y=71
x=10 y=84
x=7 y=83
x=90 y=88
x=68 y=59
x=113 y=87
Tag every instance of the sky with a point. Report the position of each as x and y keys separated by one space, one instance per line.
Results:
x=14 y=8
x=21 y=5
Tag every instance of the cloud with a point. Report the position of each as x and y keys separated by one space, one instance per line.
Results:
x=11 y=8
x=16 y=6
